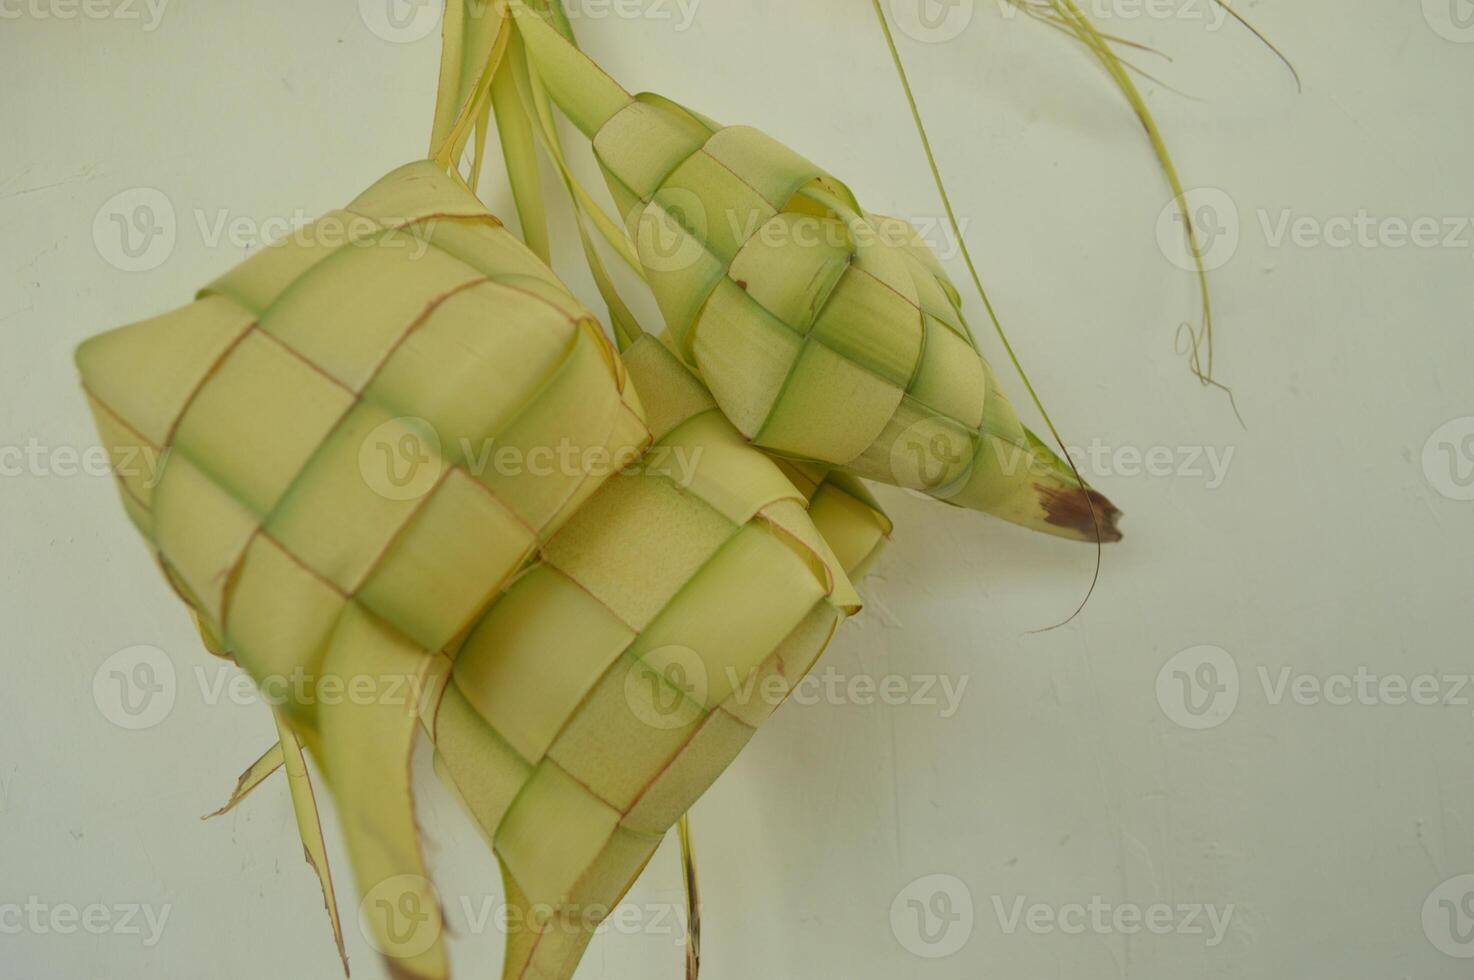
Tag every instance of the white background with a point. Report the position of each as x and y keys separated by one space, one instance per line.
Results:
x=1332 y=543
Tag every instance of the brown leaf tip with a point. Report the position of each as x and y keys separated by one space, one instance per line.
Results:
x=1071 y=508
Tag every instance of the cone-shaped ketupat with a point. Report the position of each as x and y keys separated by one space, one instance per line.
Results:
x=348 y=433
x=824 y=332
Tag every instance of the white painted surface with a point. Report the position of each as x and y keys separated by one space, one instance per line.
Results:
x=1335 y=541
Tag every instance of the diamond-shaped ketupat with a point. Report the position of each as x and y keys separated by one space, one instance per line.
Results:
x=385 y=481
x=610 y=685
x=344 y=429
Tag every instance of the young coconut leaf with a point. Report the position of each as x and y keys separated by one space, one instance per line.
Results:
x=287 y=754
x=309 y=825
x=257 y=773
x=1067 y=16
x=693 y=900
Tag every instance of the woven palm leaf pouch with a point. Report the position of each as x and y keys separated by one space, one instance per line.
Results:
x=403 y=479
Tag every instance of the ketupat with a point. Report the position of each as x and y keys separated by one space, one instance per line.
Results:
x=320 y=415
x=824 y=332
x=323 y=417
x=573 y=765
x=683 y=611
